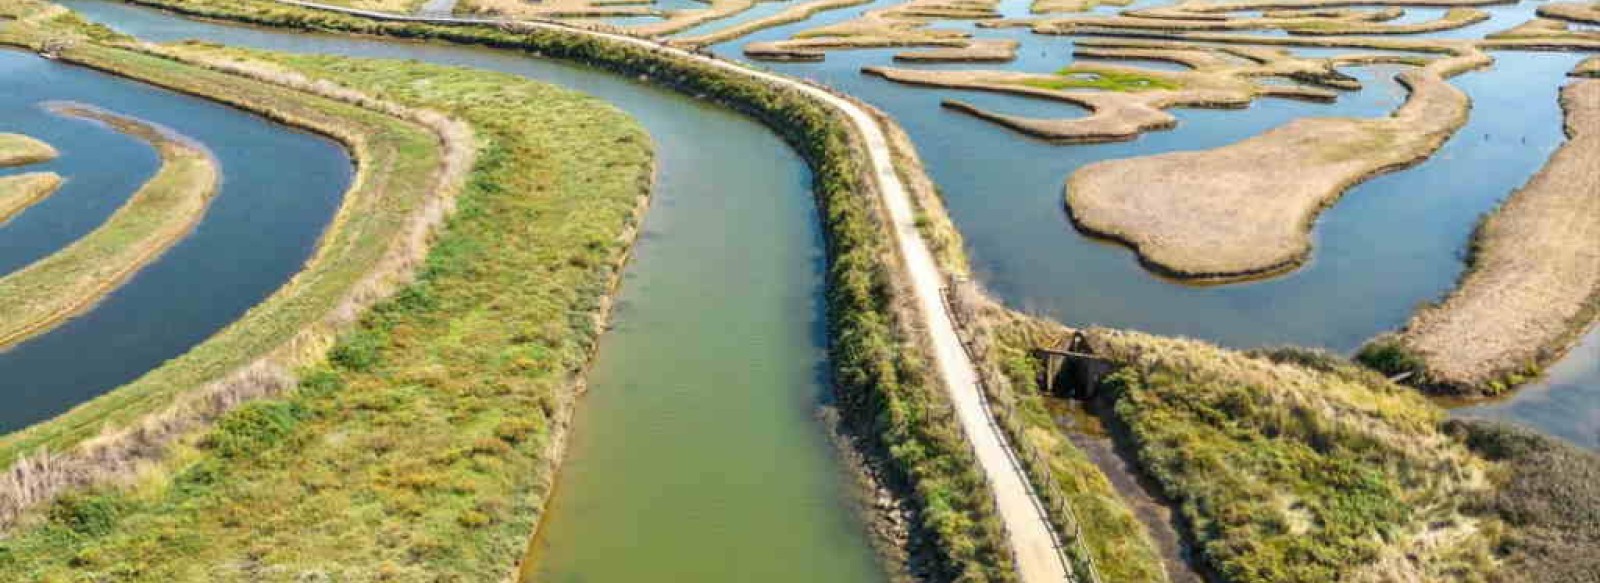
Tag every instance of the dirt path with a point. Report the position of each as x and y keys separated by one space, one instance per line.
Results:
x=1033 y=542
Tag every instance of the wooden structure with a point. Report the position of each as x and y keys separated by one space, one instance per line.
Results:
x=1071 y=369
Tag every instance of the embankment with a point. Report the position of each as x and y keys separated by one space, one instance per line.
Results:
x=18 y=192
x=407 y=175
x=879 y=360
x=53 y=289
x=1532 y=285
x=1247 y=209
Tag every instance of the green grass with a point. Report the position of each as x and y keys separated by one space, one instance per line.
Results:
x=881 y=371
x=46 y=292
x=371 y=216
x=1294 y=465
x=18 y=150
x=19 y=191
x=1103 y=80
x=421 y=451
x=1121 y=548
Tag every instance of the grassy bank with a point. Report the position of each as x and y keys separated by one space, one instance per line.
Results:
x=1532 y=284
x=425 y=446
x=20 y=191
x=49 y=291
x=879 y=365
x=18 y=150
x=1103 y=540
x=1294 y=465
x=369 y=245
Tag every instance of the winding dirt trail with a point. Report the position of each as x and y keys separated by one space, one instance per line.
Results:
x=1038 y=555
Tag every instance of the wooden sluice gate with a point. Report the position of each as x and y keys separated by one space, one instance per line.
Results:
x=1071 y=369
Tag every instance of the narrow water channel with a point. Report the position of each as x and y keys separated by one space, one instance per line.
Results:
x=261 y=228
x=696 y=454
x=1387 y=246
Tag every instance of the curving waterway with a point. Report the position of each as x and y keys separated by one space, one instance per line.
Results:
x=696 y=454
x=1390 y=244
x=259 y=231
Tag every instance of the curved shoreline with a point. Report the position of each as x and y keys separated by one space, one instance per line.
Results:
x=164 y=210
x=21 y=150
x=1213 y=216
x=1532 y=285
x=118 y=432
x=18 y=192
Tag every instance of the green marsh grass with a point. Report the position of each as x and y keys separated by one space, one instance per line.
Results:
x=423 y=448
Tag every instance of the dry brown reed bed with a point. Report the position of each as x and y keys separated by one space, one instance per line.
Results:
x=1054 y=6
x=901 y=25
x=582 y=11
x=1246 y=209
x=1300 y=22
x=1543 y=34
x=1589 y=67
x=373 y=245
x=549 y=9
x=21 y=191
x=1585 y=12
x=19 y=150
x=1127 y=101
x=51 y=290
x=1533 y=281
x=795 y=13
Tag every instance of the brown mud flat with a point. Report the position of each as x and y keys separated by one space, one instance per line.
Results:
x=21 y=191
x=1533 y=282
x=164 y=210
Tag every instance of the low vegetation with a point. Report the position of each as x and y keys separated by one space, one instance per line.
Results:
x=19 y=150
x=425 y=446
x=20 y=191
x=369 y=245
x=1102 y=539
x=1548 y=494
x=1295 y=465
x=53 y=289
x=1532 y=285
x=1246 y=209
x=879 y=366
x=1104 y=80
x=1120 y=548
